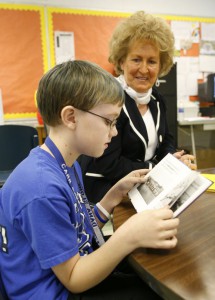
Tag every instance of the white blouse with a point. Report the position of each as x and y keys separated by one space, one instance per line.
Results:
x=152 y=134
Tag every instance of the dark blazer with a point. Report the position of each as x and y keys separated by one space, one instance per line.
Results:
x=126 y=152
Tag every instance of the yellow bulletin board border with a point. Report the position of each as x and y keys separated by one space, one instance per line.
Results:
x=87 y=12
x=187 y=18
x=20 y=116
x=19 y=7
x=39 y=9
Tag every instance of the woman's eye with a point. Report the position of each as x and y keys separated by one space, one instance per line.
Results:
x=153 y=62
x=136 y=60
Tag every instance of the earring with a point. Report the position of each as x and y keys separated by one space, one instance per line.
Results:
x=157 y=83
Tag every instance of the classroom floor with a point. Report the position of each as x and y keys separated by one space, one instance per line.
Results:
x=205 y=158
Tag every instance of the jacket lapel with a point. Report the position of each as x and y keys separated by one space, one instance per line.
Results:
x=135 y=119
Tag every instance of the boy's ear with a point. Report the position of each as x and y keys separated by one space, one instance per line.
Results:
x=68 y=116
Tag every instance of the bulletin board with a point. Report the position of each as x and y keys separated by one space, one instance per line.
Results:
x=28 y=50
x=22 y=59
x=92 y=31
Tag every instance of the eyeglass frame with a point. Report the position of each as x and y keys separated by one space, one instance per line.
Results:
x=111 y=123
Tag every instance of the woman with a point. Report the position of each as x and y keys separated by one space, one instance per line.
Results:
x=141 y=50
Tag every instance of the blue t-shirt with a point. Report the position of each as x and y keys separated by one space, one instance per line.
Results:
x=43 y=223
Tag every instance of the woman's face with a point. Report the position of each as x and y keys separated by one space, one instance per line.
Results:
x=141 y=66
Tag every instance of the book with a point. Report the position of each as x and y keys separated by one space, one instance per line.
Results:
x=170 y=183
x=212 y=178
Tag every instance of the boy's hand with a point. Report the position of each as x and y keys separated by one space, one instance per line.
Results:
x=119 y=191
x=150 y=229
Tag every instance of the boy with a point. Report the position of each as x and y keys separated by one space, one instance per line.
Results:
x=52 y=246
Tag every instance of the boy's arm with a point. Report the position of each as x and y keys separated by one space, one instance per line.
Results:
x=151 y=228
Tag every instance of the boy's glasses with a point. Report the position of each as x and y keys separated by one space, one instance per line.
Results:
x=110 y=123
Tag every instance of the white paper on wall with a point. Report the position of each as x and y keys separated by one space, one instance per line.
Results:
x=64 y=46
x=185 y=33
x=188 y=74
x=207 y=31
x=207 y=63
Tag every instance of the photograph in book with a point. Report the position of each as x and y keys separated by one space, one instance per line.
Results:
x=170 y=183
x=197 y=187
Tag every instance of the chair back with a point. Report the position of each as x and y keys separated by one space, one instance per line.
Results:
x=16 y=141
x=3 y=295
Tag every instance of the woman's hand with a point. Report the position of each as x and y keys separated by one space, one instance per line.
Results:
x=119 y=191
x=187 y=159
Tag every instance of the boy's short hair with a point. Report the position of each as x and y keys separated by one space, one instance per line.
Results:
x=79 y=83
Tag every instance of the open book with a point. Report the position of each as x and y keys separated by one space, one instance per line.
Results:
x=171 y=183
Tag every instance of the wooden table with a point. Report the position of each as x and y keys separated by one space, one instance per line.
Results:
x=187 y=271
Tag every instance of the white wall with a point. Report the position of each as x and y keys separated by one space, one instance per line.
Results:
x=196 y=8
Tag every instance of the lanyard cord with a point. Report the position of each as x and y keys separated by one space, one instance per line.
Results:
x=82 y=196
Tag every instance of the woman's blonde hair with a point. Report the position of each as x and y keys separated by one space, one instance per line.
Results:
x=139 y=27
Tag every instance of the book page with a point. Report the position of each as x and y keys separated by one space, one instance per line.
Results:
x=171 y=183
x=156 y=195
x=164 y=184
x=198 y=186
x=168 y=171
